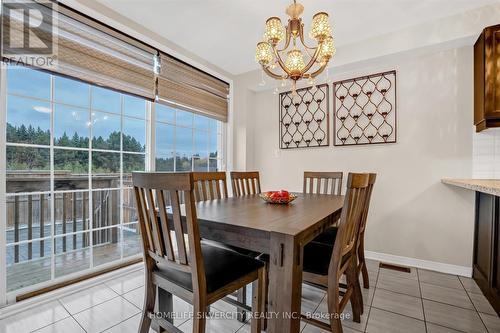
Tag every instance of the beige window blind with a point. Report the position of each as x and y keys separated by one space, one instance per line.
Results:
x=90 y=51
x=183 y=86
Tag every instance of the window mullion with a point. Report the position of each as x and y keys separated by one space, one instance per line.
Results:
x=3 y=183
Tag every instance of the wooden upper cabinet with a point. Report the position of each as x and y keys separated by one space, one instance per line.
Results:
x=487 y=79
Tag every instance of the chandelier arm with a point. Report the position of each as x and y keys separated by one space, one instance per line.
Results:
x=301 y=35
x=280 y=62
x=309 y=52
x=312 y=61
x=287 y=42
x=317 y=72
x=273 y=75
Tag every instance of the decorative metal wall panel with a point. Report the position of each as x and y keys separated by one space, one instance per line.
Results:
x=365 y=110
x=304 y=118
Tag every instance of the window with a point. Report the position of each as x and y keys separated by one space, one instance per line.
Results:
x=70 y=149
x=186 y=141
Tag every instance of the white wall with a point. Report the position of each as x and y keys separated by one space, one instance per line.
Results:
x=413 y=215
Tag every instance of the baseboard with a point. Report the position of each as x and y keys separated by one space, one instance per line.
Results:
x=419 y=263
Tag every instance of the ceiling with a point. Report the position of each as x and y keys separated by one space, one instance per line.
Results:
x=224 y=32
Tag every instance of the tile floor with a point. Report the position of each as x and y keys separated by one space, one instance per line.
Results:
x=419 y=301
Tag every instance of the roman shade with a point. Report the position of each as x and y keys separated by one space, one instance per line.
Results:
x=183 y=86
x=90 y=51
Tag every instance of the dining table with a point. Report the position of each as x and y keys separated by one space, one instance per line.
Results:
x=279 y=230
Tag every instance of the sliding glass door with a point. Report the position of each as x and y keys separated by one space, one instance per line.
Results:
x=69 y=153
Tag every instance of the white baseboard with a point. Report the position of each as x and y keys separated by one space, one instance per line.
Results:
x=419 y=263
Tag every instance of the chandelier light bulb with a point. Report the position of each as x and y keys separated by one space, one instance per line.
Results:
x=295 y=62
x=274 y=30
x=263 y=53
x=327 y=49
x=320 y=27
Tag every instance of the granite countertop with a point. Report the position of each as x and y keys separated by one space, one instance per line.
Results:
x=489 y=186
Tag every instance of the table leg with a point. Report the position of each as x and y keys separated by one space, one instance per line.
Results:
x=285 y=284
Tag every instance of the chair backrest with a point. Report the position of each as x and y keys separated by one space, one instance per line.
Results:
x=154 y=192
x=326 y=182
x=209 y=186
x=371 y=182
x=347 y=235
x=245 y=183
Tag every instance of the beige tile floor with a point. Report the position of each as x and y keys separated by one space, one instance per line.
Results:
x=419 y=301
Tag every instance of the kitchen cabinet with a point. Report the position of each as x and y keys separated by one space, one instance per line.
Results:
x=486 y=269
x=487 y=79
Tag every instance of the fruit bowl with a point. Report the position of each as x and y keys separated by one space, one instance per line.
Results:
x=278 y=197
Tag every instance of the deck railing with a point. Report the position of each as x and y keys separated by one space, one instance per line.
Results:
x=29 y=218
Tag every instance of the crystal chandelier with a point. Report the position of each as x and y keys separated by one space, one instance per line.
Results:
x=269 y=54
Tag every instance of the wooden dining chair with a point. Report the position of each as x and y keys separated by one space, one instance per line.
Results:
x=328 y=237
x=245 y=183
x=324 y=264
x=195 y=272
x=322 y=182
x=211 y=186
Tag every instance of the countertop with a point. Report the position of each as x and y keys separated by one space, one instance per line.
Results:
x=489 y=186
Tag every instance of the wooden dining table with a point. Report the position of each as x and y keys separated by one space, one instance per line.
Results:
x=281 y=231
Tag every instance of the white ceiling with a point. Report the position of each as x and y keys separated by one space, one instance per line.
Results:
x=224 y=32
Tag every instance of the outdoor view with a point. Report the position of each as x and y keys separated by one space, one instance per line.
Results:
x=70 y=150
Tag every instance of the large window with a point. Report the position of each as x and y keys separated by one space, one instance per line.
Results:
x=186 y=141
x=71 y=148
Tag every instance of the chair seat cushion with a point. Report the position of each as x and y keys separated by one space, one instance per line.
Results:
x=222 y=266
x=328 y=237
x=317 y=258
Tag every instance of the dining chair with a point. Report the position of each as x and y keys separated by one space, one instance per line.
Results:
x=324 y=264
x=328 y=237
x=245 y=183
x=210 y=186
x=322 y=182
x=195 y=272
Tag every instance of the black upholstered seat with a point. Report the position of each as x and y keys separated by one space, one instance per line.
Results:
x=317 y=258
x=327 y=237
x=222 y=266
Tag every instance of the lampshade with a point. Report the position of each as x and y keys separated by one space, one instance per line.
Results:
x=327 y=50
x=295 y=62
x=274 y=30
x=320 y=27
x=263 y=53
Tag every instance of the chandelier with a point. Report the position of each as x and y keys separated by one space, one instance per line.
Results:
x=269 y=54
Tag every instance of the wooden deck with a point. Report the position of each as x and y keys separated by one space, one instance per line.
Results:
x=30 y=272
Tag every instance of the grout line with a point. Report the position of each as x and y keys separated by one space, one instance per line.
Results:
x=474 y=305
x=373 y=297
x=71 y=316
x=421 y=299
x=449 y=328
x=86 y=309
x=107 y=329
